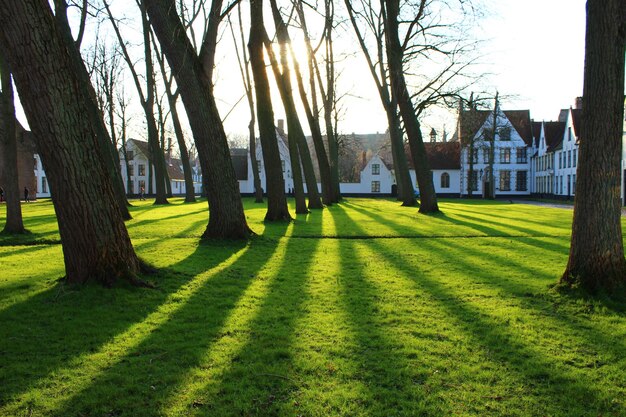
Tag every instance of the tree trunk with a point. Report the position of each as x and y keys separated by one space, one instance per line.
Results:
x=596 y=259
x=96 y=245
x=428 y=198
x=293 y=123
x=403 y=177
x=110 y=153
x=226 y=216
x=276 y=202
x=8 y=149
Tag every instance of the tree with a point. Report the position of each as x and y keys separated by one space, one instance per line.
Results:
x=193 y=72
x=8 y=142
x=96 y=245
x=109 y=150
x=147 y=100
x=276 y=201
x=244 y=67
x=596 y=258
x=400 y=92
x=379 y=74
x=330 y=193
x=172 y=99
x=297 y=141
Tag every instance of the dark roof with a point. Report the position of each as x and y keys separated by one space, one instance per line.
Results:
x=520 y=119
x=174 y=169
x=441 y=155
x=536 y=126
x=444 y=155
x=142 y=146
x=553 y=132
x=470 y=122
x=563 y=115
x=577 y=115
x=239 y=156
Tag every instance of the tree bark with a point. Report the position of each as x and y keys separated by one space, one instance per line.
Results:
x=296 y=133
x=596 y=259
x=428 y=198
x=226 y=216
x=109 y=151
x=96 y=245
x=277 y=209
x=8 y=136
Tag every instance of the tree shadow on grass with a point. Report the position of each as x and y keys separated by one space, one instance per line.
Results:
x=167 y=347
x=48 y=336
x=253 y=373
x=538 y=375
x=391 y=385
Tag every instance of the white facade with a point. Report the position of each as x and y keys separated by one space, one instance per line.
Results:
x=511 y=160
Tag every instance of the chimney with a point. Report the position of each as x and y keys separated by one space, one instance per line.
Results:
x=578 y=104
x=433 y=135
x=281 y=126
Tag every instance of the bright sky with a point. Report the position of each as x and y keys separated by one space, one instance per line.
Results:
x=534 y=54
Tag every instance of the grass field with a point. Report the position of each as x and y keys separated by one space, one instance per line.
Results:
x=363 y=309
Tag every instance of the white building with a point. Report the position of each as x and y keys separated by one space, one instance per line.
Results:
x=512 y=146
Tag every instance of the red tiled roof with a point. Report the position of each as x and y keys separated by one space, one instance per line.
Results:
x=470 y=122
x=441 y=155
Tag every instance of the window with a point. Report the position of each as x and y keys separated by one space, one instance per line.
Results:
x=505 y=133
x=44 y=185
x=35 y=164
x=505 y=180
x=486 y=156
x=574 y=158
x=445 y=180
x=258 y=165
x=521 y=156
x=142 y=170
x=569 y=134
x=521 y=181
x=282 y=163
x=574 y=184
x=474 y=153
x=474 y=181
x=569 y=159
x=560 y=154
x=131 y=188
x=375 y=169
x=569 y=191
x=131 y=170
x=130 y=155
x=505 y=155
x=375 y=186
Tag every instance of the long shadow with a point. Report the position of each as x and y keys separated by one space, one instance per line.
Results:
x=162 y=219
x=521 y=358
x=48 y=334
x=257 y=374
x=174 y=341
x=477 y=226
x=390 y=383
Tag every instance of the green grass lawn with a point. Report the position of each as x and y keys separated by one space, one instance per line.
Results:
x=363 y=309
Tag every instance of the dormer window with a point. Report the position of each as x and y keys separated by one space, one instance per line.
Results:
x=375 y=169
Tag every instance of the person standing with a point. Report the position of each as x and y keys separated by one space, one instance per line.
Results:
x=26 y=199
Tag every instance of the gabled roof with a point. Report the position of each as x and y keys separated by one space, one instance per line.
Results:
x=470 y=121
x=553 y=132
x=577 y=116
x=536 y=127
x=142 y=146
x=520 y=119
x=174 y=169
